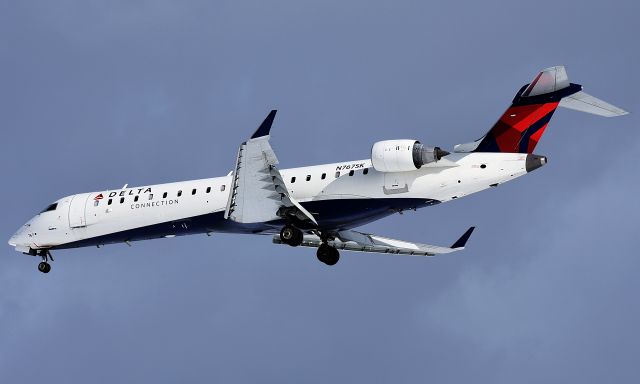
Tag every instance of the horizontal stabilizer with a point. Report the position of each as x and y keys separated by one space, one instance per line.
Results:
x=548 y=81
x=584 y=102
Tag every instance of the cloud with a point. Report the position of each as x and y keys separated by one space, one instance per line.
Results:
x=572 y=300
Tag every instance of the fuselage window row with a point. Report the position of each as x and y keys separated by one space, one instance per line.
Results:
x=323 y=176
x=96 y=203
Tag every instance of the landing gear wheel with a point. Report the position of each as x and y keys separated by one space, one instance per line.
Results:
x=327 y=254
x=44 y=267
x=291 y=235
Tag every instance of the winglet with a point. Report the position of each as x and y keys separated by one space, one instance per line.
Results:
x=462 y=241
x=265 y=127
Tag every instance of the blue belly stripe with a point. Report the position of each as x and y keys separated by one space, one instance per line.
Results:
x=330 y=214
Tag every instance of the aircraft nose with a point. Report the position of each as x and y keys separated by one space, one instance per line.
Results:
x=18 y=238
x=13 y=240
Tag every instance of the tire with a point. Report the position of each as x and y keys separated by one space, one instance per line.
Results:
x=44 y=267
x=327 y=254
x=291 y=235
x=298 y=239
x=334 y=257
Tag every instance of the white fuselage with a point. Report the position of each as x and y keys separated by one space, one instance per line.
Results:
x=340 y=194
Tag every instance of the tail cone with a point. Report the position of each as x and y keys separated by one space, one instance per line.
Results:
x=534 y=162
x=440 y=153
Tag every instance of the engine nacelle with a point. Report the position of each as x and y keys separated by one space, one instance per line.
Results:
x=403 y=155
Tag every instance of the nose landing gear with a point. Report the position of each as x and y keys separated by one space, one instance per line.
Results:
x=44 y=266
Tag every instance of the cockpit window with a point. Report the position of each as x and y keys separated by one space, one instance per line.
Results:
x=52 y=207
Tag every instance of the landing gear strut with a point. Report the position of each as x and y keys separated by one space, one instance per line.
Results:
x=291 y=235
x=328 y=254
x=44 y=266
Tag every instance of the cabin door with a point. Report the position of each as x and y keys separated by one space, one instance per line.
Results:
x=77 y=210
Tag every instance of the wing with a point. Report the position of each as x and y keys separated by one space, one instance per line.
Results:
x=258 y=192
x=364 y=242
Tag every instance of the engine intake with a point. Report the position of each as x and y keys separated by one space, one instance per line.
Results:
x=403 y=155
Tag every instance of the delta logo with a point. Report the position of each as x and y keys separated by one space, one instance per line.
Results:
x=131 y=192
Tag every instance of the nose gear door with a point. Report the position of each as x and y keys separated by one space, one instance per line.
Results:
x=77 y=210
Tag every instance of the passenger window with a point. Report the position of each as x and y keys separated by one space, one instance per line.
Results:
x=324 y=176
x=179 y=193
x=164 y=195
x=351 y=172
x=151 y=196
x=193 y=192
x=365 y=171
x=337 y=174
x=110 y=201
x=308 y=177
x=293 y=179
x=121 y=200
x=96 y=202
x=134 y=199
x=222 y=187
x=208 y=189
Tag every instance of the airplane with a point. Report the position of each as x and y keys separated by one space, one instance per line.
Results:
x=316 y=206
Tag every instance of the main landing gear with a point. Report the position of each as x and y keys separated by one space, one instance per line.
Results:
x=327 y=254
x=291 y=235
x=44 y=266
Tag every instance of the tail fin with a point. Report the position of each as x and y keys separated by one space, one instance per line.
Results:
x=521 y=126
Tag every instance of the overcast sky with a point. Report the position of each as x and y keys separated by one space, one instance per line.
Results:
x=96 y=94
